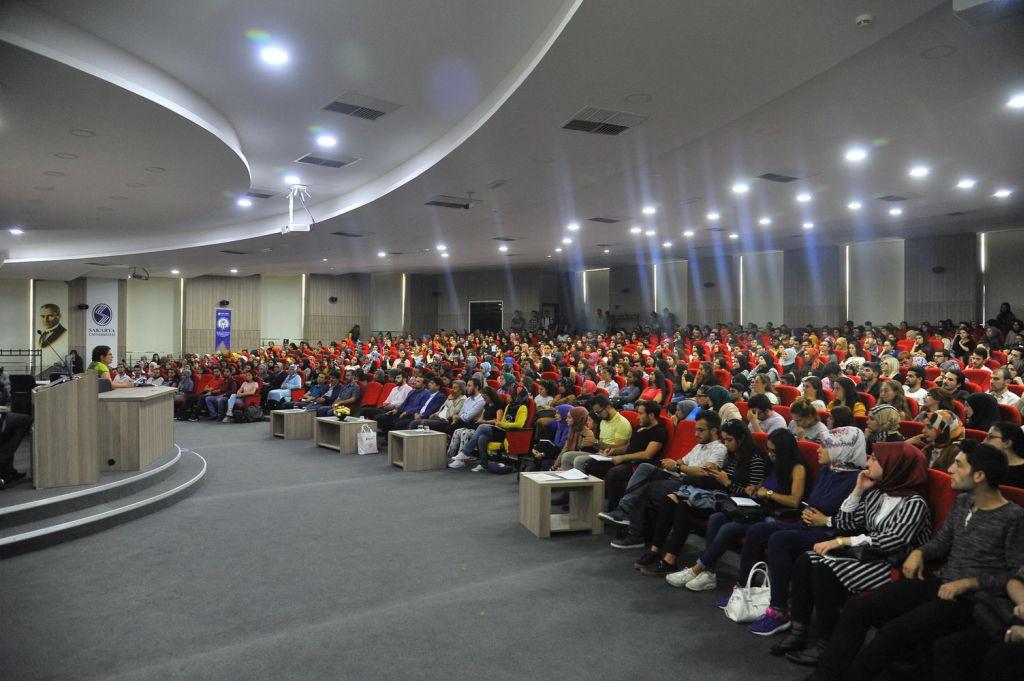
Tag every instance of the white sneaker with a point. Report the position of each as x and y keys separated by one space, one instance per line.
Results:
x=460 y=457
x=227 y=419
x=478 y=468
x=681 y=578
x=705 y=581
x=455 y=463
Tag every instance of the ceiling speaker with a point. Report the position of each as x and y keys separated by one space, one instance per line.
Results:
x=332 y=300
x=82 y=306
x=224 y=303
x=938 y=269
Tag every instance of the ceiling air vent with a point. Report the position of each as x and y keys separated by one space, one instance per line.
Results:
x=228 y=252
x=104 y=264
x=778 y=177
x=691 y=201
x=446 y=201
x=259 y=193
x=350 y=235
x=361 y=106
x=506 y=239
x=957 y=213
x=603 y=121
x=605 y=220
x=892 y=198
x=328 y=161
x=496 y=184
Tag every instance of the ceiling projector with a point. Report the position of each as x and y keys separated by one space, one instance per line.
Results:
x=301 y=192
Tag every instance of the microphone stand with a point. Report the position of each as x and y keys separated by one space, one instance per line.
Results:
x=63 y=360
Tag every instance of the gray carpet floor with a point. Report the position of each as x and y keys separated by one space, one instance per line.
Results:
x=291 y=563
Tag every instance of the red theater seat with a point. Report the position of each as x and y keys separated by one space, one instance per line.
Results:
x=1010 y=413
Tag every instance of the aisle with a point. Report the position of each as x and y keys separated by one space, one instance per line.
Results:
x=296 y=563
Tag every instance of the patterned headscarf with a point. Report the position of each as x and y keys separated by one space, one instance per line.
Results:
x=847 y=448
x=949 y=426
x=887 y=417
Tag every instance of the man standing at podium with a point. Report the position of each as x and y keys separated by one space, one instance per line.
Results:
x=13 y=428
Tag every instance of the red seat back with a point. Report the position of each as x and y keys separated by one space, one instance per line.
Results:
x=909 y=429
x=869 y=400
x=809 y=458
x=384 y=392
x=631 y=416
x=978 y=435
x=724 y=378
x=958 y=407
x=1014 y=494
x=371 y=394
x=783 y=412
x=931 y=373
x=979 y=377
x=940 y=496
x=787 y=394
x=1010 y=413
x=685 y=439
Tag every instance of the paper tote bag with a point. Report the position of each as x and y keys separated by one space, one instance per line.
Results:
x=366 y=441
x=748 y=603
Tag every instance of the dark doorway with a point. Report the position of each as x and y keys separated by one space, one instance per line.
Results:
x=485 y=315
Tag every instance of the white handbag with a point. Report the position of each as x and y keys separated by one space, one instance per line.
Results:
x=366 y=440
x=748 y=603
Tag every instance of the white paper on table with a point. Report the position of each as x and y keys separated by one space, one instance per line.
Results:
x=600 y=457
x=744 y=501
x=572 y=474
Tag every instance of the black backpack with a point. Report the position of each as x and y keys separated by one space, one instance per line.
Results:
x=249 y=414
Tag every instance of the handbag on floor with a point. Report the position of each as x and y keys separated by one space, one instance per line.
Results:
x=366 y=440
x=749 y=602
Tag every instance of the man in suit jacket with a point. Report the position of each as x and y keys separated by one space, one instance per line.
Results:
x=323 y=404
x=53 y=330
x=432 y=403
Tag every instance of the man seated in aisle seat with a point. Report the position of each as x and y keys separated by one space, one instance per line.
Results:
x=869 y=372
x=316 y=390
x=651 y=482
x=386 y=421
x=292 y=381
x=122 y=379
x=434 y=401
x=979 y=546
x=392 y=401
x=761 y=418
x=347 y=395
x=449 y=411
x=217 y=401
x=999 y=388
x=913 y=386
x=646 y=444
x=978 y=358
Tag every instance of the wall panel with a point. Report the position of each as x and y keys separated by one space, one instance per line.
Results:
x=954 y=293
x=151 y=316
x=387 y=291
x=671 y=288
x=421 y=295
x=596 y=287
x=719 y=302
x=280 y=307
x=202 y=298
x=17 y=319
x=517 y=289
x=812 y=290
x=631 y=292
x=762 y=288
x=876 y=281
x=328 y=321
x=1003 y=278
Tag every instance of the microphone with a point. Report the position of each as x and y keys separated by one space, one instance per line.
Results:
x=63 y=360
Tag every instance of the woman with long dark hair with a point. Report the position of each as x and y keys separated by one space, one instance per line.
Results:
x=847 y=396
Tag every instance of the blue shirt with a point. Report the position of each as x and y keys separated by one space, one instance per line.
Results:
x=414 y=402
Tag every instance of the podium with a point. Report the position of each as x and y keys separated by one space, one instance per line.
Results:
x=65 y=442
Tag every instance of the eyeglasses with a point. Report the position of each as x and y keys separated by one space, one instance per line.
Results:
x=990 y=436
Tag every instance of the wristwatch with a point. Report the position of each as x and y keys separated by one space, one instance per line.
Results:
x=770 y=492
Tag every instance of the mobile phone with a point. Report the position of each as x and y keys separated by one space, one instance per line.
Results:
x=804 y=505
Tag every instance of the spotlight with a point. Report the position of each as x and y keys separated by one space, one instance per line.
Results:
x=854 y=205
x=713 y=216
x=688 y=233
x=734 y=235
x=233 y=270
x=803 y=197
x=966 y=183
x=740 y=188
x=503 y=248
x=856 y=154
x=765 y=221
x=382 y=254
x=292 y=179
x=919 y=171
x=244 y=203
x=573 y=226
x=327 y=141
x=558 y=250
x=650 y=232
x=649 y=210
x=607 y=251
x=444 y=254
x=808 y=225
x=175 y=271
x=441 y=247
x=16 y=231
x=1002 y=193
x=566 y=240
x=323 y=259
x=1017 y=101
x=275 y=56
x=635 y=229
x=666 y=244
x=895 y=212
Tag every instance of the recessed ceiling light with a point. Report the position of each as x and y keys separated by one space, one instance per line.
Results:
x=919 y=171
x=566 y=240
x=80 y=132
x=607 y=251
x=1017 y=101
x=666 y=244
x=66 y=155
x=734 y=235
x=503 y=248
x=803 y=197
x=53 y=173
x=650 y=232
x=244 y=203
x=966 y=183
x=688 y=233
x=233 y=270
x=381 y=254
x=16 y=231
x=713 y=216
x=854 y=205
x=441 y=247
x=808 y=225
x=323 y=259
x=175 y=271
x=151 y=169
x=292 y=179
x=740 y=188
x=444 y=254
x=635 y=229
x=765 y=221
x=895 y=211
x=856 y=154
x=558 y=250
x=327 y=141
x=273 y=55
x=549 y=255
x=1002 y=193
x=573 y=226
x=649 y=210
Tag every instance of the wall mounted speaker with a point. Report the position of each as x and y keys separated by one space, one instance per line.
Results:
x=938 y=269
x=224 y=303
x=626 y=290
x=332 y=300
x=436 y=294
x=82 y=306
x=709 y=284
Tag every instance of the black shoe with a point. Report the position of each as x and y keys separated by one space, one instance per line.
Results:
x=15 y=476
x=808 y=657
x=649 y=558
x=659 y=569
x=791 y=643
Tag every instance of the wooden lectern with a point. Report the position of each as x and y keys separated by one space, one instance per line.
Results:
x=65 y=448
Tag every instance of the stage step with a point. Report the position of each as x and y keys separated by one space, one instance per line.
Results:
x=28 y=527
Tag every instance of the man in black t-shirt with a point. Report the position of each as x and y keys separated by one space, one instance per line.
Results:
x=646 y=444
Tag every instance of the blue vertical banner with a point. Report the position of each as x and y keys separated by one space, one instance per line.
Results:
x=223 y=329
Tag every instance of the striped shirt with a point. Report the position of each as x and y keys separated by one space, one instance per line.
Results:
x=891 y=525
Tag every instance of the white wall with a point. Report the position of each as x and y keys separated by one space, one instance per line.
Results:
x=595 y=285
x=15 y=315
x=670 y=289
x=876 y=287
x=280 y=307
x=387 y=312
x=152 y=320
x=1004 y=281
x=761 y=290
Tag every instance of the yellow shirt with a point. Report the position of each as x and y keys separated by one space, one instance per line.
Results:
x=615 y=431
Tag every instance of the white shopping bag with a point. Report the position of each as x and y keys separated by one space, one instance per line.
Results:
x=366 y=441
x=748 y=603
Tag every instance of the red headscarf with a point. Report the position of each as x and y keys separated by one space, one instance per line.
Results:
x=577 y=422
x=904 y=468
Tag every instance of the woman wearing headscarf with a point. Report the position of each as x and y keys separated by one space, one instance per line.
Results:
x=883 y=425
x=883 y=519
x=841 y=458
x=982 y=410
x=940 y=439
x=578 y=436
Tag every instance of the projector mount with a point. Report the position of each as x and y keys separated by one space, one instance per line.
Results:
x=300 y=192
